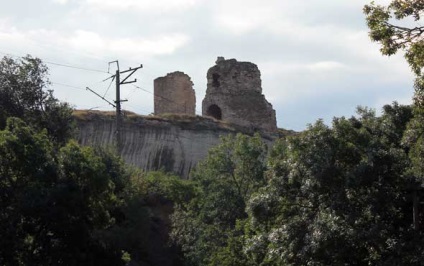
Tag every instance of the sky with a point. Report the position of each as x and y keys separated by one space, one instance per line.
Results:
x=315 y=56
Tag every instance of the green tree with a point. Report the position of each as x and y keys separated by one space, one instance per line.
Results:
x=158 y=192
x=398 y=34
x=206 y=227
x=24 y=94
x=338 y=196
x=64 y=208
x=398 y=26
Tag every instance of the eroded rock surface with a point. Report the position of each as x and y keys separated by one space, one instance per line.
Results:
x=153 y=144
x=234 y=94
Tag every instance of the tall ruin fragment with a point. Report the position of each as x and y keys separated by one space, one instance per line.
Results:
x=234 y=94
x=174 y=94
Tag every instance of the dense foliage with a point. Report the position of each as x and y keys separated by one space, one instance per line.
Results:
x=62 y=204
x=398 y=27
x=208 y=223
x=23 y=94
x=55 y=207
x=330 y=196
x=390 y=27
x=336 y=195
x=79 y=205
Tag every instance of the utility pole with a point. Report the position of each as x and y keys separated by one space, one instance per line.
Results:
x=118 y=112
x=118 y=100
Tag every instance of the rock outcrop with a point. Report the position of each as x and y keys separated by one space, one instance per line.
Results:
x=177 y=141
x=234 y=94
x=174 y=144
x=174 y=94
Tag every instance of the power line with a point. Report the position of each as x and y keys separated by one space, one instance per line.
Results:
x=75 y=67
x=73 y=86
x=131 y=92
x=66 y=85
x=110 y=84
x=143 y=89
x=157 y=95
x=169 y=100
x=144 y=111
x=59 y=64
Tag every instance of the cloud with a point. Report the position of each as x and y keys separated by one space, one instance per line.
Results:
x=91 y=43
x=241 y=17
x=314 y=56
x=325 y=66
x=141 y=47
x=62 y=2
x=144 y=5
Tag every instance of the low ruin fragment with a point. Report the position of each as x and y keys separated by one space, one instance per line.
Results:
x=174 y=94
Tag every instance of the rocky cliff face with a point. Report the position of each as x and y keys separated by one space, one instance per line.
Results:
x=175 y=144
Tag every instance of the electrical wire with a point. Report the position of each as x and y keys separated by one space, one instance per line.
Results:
x=74 y=67
x=110 y=84
x=59 y=64
x=66 y=85
x=155 y=95
x=169 y=100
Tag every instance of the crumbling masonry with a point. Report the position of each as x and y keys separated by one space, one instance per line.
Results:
x=234 y=94
x=174 y=94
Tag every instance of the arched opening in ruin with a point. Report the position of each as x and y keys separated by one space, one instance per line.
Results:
x=214 y=111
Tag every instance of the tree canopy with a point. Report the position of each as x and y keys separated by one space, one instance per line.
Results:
x=63 y=204
x=54 y=206
x=207 y=226
x=398 y=27
x=336 y=195
x=24 y=93
x=391 y=26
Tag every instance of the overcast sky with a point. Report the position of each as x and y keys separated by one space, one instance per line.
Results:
x=315 y=57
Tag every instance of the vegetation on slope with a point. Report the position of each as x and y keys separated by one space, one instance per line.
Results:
x=336 y=195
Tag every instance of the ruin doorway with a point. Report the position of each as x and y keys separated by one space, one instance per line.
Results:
x=214 y=111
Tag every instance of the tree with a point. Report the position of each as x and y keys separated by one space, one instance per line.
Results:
x=64 y=208
x=206 y=227
x=23 y=94
x=158 y=192
x=391 y=26
x=394 y=36
x=338 y=196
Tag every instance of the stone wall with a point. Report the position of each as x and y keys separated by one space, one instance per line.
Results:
x=174 y=94
x=234 y=94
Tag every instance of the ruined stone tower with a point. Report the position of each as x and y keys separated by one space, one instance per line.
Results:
x=234 y=94
x=174 y=94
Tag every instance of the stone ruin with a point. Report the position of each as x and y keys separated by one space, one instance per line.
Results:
x=234 y=94
x=174 y=94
